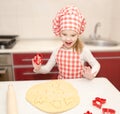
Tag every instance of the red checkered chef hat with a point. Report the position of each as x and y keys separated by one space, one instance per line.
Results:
x=69 y=18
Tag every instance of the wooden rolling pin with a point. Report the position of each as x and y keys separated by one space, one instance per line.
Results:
x=11 y=101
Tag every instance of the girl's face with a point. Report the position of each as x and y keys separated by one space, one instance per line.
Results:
x=69 y=37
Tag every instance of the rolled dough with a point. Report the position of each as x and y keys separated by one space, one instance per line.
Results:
x=53 y=96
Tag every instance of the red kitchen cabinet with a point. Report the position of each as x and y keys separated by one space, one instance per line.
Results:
x=23 y=69
x=110 y=66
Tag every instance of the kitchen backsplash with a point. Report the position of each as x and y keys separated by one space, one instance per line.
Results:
x=33 y=18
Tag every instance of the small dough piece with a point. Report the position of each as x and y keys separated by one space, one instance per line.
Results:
x=53 y=96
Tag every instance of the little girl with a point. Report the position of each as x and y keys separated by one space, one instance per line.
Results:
x=69 y=24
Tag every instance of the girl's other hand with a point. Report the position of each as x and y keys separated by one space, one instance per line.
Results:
x=87 y=73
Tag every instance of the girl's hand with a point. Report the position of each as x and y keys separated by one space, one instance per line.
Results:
x=87 y=73
x=36 y=62
x=35 y=66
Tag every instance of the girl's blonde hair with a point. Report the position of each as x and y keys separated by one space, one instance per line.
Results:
x=78 y=46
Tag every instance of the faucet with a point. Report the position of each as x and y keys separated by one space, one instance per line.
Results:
x=95 y=36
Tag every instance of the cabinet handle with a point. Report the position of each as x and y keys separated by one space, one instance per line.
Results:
x=3 y=70
x=30 y=60
x=26 y=59
x=29 y=73
x=32 y=73
x=116 y=57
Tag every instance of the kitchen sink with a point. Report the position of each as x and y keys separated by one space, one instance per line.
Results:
x=100 y=42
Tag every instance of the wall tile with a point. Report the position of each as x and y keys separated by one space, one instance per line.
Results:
x=33 y=18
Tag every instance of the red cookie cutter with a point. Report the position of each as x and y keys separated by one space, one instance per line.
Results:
x=88 y=112
x=108 y=111
x=98 y=102
x=38 y=59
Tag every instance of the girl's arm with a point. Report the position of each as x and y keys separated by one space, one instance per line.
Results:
x=90 y=59
x=43 y=69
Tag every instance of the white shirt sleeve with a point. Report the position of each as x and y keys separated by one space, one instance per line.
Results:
x=87 y=56
x=49 y=65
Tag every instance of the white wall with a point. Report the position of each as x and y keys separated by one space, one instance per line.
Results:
x=33 y=18
x=115 y=29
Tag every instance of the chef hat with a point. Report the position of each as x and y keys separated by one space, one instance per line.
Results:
x=69 y=18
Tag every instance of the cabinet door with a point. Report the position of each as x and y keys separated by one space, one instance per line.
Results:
x=26 y=58
x=110 y=66
x=23 y=69
x=28 y=74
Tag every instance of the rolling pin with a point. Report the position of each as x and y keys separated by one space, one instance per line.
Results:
x=11 y=101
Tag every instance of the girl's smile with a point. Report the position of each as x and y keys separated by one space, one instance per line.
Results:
x=68 y=43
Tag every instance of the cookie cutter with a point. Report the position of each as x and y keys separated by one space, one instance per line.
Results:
x=38 y=59
x=98 y=102
x=108 y=111
x=88 y=112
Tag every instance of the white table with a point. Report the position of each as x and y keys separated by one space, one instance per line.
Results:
x=88 y=90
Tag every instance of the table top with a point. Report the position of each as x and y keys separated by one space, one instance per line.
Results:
x=87 y=89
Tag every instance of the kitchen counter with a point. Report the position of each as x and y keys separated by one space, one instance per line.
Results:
x=48 y=45
x=87 y=89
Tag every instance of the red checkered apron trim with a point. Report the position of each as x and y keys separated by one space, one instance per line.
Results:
x=69 y=64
